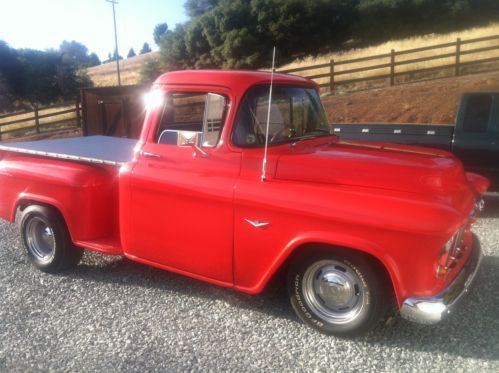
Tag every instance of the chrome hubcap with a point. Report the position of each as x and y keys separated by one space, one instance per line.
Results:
x=334 y=291
x=40 y=239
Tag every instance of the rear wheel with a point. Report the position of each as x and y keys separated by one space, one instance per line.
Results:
x=47 y=241
x=340 y=293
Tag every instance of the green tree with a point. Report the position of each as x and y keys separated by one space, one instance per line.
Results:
x=241 y=33
x=160 y=30
x=131 y=53
x=173 y=51
x=40 y=77
x=47 y=77
x=115 y=54
x=78 y=53
x=151 y=69
x=196 y=8
x=10 y=70
x=145 y=48
x=93 y=60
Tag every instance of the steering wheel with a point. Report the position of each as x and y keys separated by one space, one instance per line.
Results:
x=291 y=130
x=259 y=132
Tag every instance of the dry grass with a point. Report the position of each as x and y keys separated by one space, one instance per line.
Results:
x=105 y=75
x=400 y=45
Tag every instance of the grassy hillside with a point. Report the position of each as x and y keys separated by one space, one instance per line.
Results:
x=403 y=45
x=104 y=75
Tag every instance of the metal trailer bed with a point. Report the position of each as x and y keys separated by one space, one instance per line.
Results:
x=107 y=150
x=432 y=135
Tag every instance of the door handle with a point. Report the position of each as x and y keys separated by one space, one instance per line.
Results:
x=150 y=155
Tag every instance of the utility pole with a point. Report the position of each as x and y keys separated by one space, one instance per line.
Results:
x=116 y=41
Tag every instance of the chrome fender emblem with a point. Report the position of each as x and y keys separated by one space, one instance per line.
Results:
x=256 y=223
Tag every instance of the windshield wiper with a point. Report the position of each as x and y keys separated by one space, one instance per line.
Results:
x=324 y=133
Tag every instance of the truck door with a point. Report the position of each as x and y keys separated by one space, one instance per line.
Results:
x=182 y=188
x=476 y=139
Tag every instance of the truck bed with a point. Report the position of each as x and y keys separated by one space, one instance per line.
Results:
x=92 y=149
x=436 y=136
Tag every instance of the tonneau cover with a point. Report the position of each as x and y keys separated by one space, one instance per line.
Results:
x=93 y=149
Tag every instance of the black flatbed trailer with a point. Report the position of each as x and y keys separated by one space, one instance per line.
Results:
x=474 y=139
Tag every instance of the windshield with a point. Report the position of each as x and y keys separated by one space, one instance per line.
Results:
x=295 y=113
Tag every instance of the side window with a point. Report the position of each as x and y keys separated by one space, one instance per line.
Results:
x=477 y=113
x=192 y=119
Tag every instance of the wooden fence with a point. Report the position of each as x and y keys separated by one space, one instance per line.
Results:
x=459 y=58
x=45 y=119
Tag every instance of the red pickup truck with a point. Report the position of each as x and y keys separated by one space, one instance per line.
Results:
x=357 y=226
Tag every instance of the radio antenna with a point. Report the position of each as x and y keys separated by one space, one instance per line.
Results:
x=264 y=163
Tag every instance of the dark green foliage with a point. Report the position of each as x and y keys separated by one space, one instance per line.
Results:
x=93 y=60
x=131 y=53
x=40 y=77
x=241 y=33
x=10 y=71
x=159 y=31
x=115 y=54
x=150 y=70
x=145 y=48
x=196 y=8
x=78 y=54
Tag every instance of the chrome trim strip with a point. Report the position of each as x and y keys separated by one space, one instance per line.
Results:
x=434 y=309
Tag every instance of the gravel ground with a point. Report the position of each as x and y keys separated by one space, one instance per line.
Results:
x=115 y=315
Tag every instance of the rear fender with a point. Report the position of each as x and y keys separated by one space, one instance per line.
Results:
x=26 y=199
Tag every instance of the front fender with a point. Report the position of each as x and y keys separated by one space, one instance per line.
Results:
x=330 y=239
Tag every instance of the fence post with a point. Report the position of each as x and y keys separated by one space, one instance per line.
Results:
x=331 y=75
x=37 y=120
x=78 y=116
x=392 y=67
x=458 y=56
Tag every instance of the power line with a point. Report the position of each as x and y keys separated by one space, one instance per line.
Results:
x=117 y=55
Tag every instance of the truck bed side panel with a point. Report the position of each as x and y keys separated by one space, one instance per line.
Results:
x=86 y=195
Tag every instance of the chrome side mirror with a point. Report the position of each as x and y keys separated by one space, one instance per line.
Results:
x=182 y=139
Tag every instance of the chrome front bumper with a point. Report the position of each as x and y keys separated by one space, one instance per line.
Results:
x=433 y=309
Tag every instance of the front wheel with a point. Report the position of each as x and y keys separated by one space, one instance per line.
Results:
x=47 y=241
x=338 y=294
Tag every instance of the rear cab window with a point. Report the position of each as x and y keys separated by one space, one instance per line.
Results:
x=477 y=113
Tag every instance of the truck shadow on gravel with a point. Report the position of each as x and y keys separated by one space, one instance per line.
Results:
x=471 y=332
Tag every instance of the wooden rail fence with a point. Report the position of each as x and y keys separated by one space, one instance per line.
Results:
x=66 y=116
x=397 y=64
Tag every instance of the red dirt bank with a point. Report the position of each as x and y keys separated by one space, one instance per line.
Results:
x=425 y=102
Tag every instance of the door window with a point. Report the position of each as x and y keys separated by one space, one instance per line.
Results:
x=192 y=119
x=477 y=113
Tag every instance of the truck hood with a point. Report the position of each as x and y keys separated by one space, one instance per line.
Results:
x=374 y=165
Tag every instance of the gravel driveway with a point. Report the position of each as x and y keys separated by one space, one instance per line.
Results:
x=115 y=315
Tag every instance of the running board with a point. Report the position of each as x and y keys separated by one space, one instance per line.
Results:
x=106 y=246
